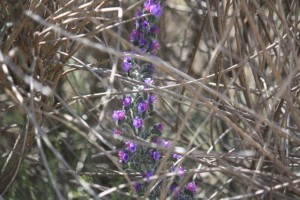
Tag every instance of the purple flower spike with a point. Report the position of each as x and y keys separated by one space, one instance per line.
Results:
x=191 y=186
x=126 y=101
x=124 y=157
x=156 y=155
x=143 y=106
x=118 y=115
x=138 y=122
x=132 y=147
x=137 y=107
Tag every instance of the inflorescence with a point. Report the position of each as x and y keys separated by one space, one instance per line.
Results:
x=138 y=107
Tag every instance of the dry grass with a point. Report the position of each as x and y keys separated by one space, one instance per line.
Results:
x=228 y=85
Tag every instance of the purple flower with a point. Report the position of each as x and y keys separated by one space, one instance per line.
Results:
x=154 y=29
x=156 y=10
x=117 y=132
x=180 y=171
x=147 y=4
x=147 y=175
x=155 y=155
x=143 y=106
x=124 y=157
x=148 y=81
x=159 y=126
x=118 y=115
x=142 y=50
x=134 y=36
x=137 y=186
x=154 y=46
x=138 y=13
x=138 y=122
x=153 y=7
x=174 y=189
x=145 y=25
x=127 y=59
x=176 y=156
x=167 y=144
x=126 y=101
x=191 y=186
x=132 y=147
x=127 y=64
x=142 y=42
x=152 y=98
x=159 y=141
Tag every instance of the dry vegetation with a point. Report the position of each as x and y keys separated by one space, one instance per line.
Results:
x=227 y=79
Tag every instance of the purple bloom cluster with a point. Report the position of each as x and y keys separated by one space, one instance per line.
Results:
x=126 y=101
x=138 y=122
x=138 y=107
x=144 y=34
x=191 y=186
x=153 y=6
x=119 y=115
x=127 y=64
x=143 y=106
x=131 y=146
x=154 y=154
x=124 y=157
x=159 y=127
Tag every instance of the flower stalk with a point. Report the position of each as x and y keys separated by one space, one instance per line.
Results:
x=137 y=109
